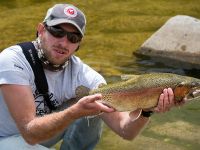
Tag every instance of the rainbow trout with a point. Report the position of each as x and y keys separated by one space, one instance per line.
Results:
x=143 y=91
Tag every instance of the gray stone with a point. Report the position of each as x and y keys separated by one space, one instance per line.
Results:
x=178 y=39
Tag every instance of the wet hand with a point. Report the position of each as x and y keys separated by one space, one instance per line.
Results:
x=166 y=101
x=89 y=105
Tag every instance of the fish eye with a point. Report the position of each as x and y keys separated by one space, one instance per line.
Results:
x=191 y=95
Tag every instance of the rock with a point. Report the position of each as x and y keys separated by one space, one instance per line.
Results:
x=178 y=39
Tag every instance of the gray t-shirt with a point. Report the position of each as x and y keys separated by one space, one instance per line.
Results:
x=15 y=69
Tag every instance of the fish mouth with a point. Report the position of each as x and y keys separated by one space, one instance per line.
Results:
x=194 y=94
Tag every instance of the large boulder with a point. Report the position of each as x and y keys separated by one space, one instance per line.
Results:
x=178 y=39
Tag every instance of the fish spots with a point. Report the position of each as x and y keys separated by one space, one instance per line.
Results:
x=132 y=99
x=107 y=98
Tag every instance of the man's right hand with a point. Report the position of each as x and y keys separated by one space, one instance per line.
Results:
x=89 y=105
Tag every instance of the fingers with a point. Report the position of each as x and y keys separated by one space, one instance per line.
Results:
x=166 y=101
x=160 y=103
x=90 y=98
x=104 y=108
x=171 y=96
x=90 y=105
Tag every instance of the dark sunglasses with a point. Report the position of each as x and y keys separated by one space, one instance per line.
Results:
x=58 y=32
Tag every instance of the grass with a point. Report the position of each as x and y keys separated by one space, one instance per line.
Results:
x=115 y=29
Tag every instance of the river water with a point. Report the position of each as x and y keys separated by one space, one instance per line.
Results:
x=178 y=129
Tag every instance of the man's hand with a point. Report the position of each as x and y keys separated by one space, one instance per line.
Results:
x=89 y=105
x=166 y=101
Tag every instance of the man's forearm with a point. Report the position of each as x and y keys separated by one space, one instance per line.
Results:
x=125 y=124
x=131 y=129
x=43 y=128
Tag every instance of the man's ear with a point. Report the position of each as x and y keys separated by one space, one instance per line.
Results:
x=40 y=29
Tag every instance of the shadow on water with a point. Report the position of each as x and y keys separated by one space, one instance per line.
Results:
x=154 y=64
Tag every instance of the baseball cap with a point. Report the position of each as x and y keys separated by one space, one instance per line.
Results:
x=66 y=13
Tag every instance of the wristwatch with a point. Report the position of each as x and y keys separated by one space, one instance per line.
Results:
x=146 y=113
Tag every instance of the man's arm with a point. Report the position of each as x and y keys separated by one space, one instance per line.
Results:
x=20 y=102
x=123 y=125
x=126 y=126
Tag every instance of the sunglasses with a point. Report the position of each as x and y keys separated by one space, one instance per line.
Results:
x=58 y=32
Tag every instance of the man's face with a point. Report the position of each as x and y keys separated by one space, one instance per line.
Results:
x=57 y=50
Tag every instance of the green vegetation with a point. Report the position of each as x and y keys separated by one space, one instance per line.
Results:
x=115 y=28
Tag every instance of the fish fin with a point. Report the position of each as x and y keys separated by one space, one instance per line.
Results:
x=126 y=77
x=180 y=91
x=81 y=91
x=134 y=116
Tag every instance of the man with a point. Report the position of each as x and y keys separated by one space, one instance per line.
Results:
x=26 y=121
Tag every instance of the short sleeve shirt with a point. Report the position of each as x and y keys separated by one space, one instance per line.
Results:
x=15 y=69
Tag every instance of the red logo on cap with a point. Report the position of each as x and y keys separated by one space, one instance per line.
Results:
x=70 y=11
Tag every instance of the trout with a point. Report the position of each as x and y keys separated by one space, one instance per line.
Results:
x=143 y=91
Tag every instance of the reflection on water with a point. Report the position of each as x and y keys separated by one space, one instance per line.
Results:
x=144 y=64
x=153 y=64
x=192 y=72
